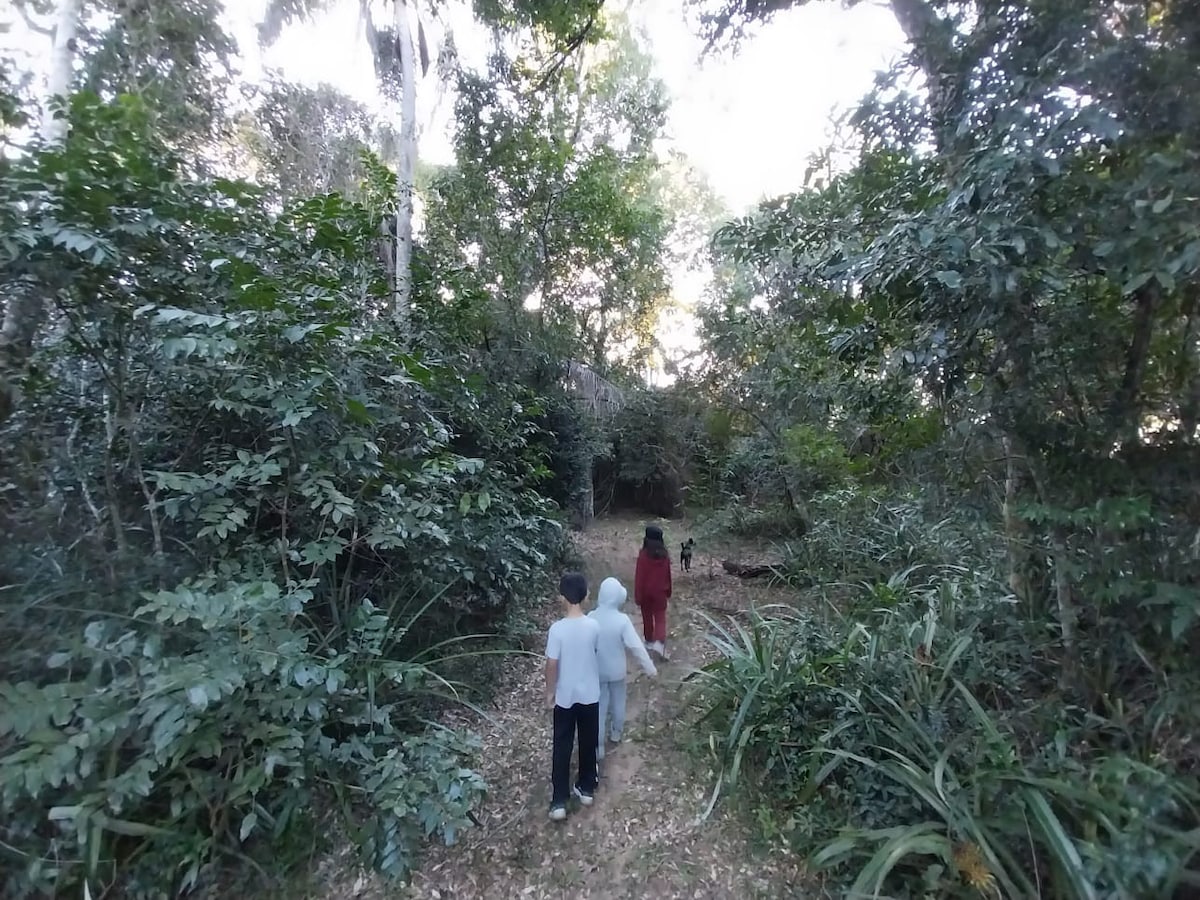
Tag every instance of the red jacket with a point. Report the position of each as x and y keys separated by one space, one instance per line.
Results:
x=652 y=580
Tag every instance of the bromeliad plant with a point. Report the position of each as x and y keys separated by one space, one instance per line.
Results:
x=985 y=822
x=875 y=733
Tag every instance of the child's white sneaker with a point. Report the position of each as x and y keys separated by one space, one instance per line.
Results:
x=585 y=797
x=558 y=813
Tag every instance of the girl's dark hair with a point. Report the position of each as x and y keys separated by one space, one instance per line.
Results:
x=653 y=543
x=656 y=549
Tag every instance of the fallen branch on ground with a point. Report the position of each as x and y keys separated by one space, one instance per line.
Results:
x=747 y=570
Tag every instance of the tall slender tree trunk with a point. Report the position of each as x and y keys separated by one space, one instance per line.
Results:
x=25 y=303
x=402 y=285
x=1188 y=389
x=1019 y=546
x=62 y=65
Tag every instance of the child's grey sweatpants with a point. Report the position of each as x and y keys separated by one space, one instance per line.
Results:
x=612 y=704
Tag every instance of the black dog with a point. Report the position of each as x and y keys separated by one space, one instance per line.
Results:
x=685 y=555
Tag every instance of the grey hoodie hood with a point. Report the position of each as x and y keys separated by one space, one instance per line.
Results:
x=612 y=594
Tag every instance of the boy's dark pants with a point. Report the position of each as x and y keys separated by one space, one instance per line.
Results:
x=582 y=719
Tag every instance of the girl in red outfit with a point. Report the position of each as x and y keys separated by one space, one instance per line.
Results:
x=652 y=589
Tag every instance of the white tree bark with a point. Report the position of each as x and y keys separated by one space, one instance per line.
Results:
x=24 y=305
x=402 y=285
x=62 y=67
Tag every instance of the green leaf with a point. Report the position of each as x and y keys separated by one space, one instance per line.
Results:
x=247 y=826
x=924 y=839
x=358 y=411
x=949 y=278
x=297 y=333
x=1183 y=616
x=1136 y=282
x=1058 y=843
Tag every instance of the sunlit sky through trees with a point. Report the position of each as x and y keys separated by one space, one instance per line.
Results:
x=748 y=122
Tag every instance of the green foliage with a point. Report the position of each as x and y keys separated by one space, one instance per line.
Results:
x=265 y=517
x=568 y=22
x=176 y=57
x=12 y=113
x=660 y=450
x=819 y=455
x=992 y=305
x=208 y=718
x=875 y=728
x=306 y=141
x=975 y=742
x=554 y=206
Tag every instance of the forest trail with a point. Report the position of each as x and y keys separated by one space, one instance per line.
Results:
x=643 y=836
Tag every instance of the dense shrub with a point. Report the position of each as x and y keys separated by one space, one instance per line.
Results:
x=663 y=454
x=898 y=749
x=239 y=517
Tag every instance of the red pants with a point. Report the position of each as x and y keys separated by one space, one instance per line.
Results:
x=654 y=620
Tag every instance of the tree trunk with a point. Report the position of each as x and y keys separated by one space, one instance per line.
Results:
x=746 y=570
x=1126 y=412
x=1018 y=538
x=25 y=303
x=1064 y=589
x=402 y=283
x=62 y=66
x=1188 y=385
x=585 y=505
x=933 y=51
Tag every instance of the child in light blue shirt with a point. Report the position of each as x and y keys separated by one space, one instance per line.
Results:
x=573 y=691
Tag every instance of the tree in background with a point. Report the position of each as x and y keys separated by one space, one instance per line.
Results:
x=303 y=141
x=556 y=202
x=991 y=309
x=402 y=57
x=177 y=57
x=269 y=516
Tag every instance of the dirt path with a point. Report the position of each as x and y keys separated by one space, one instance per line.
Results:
x=643 y=836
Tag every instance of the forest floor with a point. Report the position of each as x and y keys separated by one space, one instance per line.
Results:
x=645 y=836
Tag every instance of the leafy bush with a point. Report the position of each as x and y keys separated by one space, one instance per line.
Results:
x=662 y=453
x=208 y=717
x=267 y=519
x=875 y=734
x=866 y=537
x=914 y=738
x=819 y=457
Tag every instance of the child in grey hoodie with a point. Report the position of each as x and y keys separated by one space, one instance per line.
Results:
x=616 y=635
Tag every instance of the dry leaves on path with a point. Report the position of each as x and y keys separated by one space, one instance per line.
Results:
x=643 y=836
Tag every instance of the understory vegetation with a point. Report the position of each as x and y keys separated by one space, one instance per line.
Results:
x=272 y=498
x=956 y=377
x=278 y=479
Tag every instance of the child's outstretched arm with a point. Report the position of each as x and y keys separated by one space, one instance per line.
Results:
x=630 y=638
